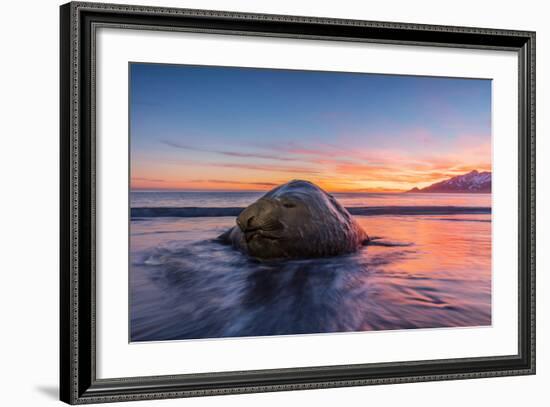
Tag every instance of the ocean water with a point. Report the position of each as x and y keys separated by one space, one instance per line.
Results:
x=146 y=199
x=420 y=271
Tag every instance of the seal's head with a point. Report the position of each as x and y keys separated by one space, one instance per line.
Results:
x=296 y=220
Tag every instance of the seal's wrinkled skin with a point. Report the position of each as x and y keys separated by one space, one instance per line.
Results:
x=295 y=220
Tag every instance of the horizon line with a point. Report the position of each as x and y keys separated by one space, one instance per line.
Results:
x=270 y=186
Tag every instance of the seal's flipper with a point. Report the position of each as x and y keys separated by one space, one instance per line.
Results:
x=366 y=241
x=225 y=237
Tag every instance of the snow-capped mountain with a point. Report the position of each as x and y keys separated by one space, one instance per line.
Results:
x=474 y=182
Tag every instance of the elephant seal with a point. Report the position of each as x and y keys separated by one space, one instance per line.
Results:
x=295 y=220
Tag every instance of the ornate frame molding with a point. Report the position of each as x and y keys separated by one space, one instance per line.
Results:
x=79 y=21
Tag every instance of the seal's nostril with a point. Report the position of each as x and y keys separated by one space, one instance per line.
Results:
x=245 y=222
x=249 y=222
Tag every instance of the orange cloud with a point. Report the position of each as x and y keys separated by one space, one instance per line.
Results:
x=335 y=168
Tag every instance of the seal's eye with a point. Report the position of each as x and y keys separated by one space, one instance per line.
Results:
x=289 y=205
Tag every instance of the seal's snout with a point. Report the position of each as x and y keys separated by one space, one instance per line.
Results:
x=262 y=215
x=247 y=219
x=242 y=222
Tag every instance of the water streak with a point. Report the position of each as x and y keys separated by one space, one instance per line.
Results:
x=420 y=272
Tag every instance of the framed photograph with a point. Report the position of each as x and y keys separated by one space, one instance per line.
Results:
x=255 y=203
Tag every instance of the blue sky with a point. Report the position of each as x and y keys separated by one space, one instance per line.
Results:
x=192 y=126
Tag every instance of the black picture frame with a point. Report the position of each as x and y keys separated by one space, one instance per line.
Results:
x=78 y=382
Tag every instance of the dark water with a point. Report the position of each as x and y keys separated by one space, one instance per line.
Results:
x=420 y=272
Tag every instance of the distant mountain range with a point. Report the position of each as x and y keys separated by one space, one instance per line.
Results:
x=472 y=182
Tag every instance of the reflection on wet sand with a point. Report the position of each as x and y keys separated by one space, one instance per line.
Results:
x=420 y=272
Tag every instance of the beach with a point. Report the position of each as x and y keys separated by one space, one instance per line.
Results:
x=424 y=268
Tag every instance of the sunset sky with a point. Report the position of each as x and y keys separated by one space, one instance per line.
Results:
x=217 y=128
